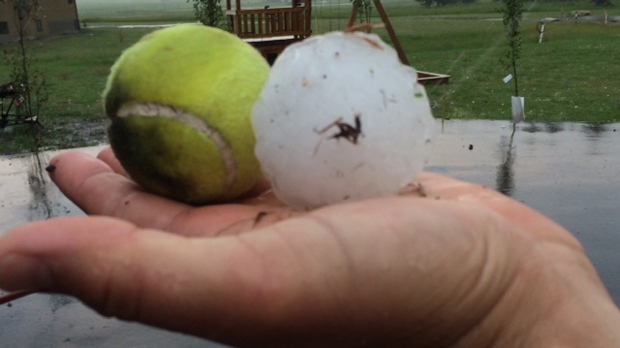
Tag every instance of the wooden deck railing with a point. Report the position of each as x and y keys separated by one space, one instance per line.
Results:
x=271 y=23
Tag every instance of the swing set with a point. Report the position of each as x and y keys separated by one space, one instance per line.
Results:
x=271 y=30
x=424 y=77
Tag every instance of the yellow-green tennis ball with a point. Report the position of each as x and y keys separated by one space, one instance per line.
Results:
x=179 y=101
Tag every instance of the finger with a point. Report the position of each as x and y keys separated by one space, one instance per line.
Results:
x=97 y=189
x=107 y=156
x=145 y=275
x=436 y=186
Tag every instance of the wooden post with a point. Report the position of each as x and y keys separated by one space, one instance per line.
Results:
x=237 y=24
x=352 y=17
x=388 y=27
x=443 y=103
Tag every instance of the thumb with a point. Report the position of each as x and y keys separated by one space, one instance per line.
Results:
x=161 y=279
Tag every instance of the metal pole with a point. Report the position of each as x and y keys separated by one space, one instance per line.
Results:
x=541 y=31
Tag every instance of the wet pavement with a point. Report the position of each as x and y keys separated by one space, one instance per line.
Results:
x=568 y=171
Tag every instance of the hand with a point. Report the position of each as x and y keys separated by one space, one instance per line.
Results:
x=445 y=264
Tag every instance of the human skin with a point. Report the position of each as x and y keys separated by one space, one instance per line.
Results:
x=445 y=264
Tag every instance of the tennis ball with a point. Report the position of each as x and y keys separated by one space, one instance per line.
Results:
x=339 y=119
x=179 y=103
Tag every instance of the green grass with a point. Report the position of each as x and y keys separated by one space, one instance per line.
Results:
x=76 y=67
x=135 y=11
x=571 y=76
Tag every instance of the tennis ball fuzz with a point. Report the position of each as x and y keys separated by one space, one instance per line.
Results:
x=179 y=103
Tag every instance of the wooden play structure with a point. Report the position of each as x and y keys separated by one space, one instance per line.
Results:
x=270 y=30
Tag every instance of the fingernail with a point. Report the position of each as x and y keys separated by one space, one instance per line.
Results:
x=23 y=272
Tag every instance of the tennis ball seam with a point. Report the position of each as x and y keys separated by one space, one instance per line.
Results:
x=165 y=111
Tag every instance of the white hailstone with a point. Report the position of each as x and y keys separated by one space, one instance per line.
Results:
x=341 y=118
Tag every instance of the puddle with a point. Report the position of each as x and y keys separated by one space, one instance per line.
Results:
x=568 y=171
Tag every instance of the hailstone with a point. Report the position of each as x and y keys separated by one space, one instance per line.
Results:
x=341 y=118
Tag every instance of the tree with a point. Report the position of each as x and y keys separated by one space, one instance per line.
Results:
x=602 y=2
x=441 y=3
x=364 y=8
x=27 y=78
x=209 y=12
x=513 y=12
x=425 y=3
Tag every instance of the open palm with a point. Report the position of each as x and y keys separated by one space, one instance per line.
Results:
x=445 y=264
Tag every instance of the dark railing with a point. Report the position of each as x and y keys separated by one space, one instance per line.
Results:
x=271 y=23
